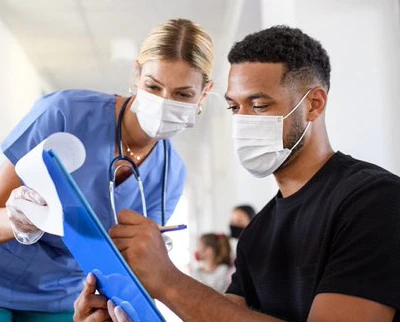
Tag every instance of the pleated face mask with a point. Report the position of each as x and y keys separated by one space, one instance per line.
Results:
x=162 y=118
x=259 y=141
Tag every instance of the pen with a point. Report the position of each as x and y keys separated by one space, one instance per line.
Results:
x=164 y=229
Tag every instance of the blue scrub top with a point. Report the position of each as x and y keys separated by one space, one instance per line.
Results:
x=44 y=276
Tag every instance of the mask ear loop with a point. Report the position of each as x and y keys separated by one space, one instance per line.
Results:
x=301 y=137
x=201 y=106
x=209 y=94
x=309 y=123
x=298 y=104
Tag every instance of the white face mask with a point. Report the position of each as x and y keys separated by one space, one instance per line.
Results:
x=162 y=118
x=259 y=141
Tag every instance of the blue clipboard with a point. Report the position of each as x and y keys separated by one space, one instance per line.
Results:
x=94 y=251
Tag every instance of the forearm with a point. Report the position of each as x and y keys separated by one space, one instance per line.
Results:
x=192 y=302
x=6 y=233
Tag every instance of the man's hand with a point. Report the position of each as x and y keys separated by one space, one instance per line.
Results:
x=140 y=242
x=89 y=306
x=117 y=313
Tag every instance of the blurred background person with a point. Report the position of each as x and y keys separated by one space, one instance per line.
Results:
x=214 y=256
x=240 y=217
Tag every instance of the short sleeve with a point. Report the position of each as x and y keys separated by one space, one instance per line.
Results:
x=241 y=284
x=44 y=119
x=176 y=178
x=364 y=260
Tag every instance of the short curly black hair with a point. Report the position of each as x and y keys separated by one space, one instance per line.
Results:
x=305 y=58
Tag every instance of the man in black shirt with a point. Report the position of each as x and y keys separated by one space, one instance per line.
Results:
x=326 y=248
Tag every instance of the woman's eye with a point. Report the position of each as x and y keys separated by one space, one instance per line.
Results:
x=185 y=95
x=153 y=87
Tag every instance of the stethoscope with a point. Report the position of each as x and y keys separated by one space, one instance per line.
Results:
x=135 y=171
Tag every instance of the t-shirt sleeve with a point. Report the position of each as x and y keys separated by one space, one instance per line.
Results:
x=241 y=283
x=176 y=178
x=44 y=119
x=364 y=260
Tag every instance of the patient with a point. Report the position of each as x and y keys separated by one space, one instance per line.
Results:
x=214 y=254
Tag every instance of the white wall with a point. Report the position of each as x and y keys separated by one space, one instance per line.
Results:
x=20 y=84
x=362 y=39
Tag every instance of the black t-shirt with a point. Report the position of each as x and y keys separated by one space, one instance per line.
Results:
x=340 y=233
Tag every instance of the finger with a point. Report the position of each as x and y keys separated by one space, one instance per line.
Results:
x=90 y=285
x=131 y=217
x=122 y=244
x=111 y=307
x=33 y=196
x=85 y=305
x=117 y=313
x=125 y=231
x=121 y=315
x=99 y=315
x=24 y=227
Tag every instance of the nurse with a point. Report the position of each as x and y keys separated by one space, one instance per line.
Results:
x=42 y=280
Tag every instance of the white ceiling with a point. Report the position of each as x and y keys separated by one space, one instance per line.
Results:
x=69 y=41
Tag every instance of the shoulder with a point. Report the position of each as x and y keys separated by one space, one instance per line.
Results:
x=222 y=269
x=357 y=178
x=176 y=164
x=60 y=99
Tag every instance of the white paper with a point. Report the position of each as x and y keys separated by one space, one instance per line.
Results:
x=33 y=172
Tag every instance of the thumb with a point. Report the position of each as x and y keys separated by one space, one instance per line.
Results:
x=33 y=196
x=90 y=285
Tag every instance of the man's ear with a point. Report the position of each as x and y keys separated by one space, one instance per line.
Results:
x=318 y=98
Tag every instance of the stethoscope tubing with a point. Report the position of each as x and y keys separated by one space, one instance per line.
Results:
x=135 y=171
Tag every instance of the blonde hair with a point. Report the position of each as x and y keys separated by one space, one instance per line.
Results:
x=180 y=39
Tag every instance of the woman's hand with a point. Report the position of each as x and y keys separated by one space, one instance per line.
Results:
x=90 y=307
x=140 y=242
x=24 y=231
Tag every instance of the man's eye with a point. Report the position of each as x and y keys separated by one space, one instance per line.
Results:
x=260 y=108
x=233 y=108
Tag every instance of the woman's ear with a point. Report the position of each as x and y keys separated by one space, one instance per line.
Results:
x=136 y=70
x=318 y=98
x=206 y=90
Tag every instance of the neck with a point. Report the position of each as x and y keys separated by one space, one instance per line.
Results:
x=305 y=164
x=209 y=266
x=132 y=133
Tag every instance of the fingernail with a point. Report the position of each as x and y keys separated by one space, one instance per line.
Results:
x=119 y=313
x=89 y=278
x=110 y=305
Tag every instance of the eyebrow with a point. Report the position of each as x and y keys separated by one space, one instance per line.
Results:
x=252 y=96
x=157 y=81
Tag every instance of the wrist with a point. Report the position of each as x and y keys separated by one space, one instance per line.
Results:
x=168 y=289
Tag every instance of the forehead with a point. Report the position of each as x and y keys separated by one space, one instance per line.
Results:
x=239 y=215
x=248 y=78
x=172 y=73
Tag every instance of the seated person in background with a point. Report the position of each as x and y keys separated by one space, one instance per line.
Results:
x=214 y=253
x=240 y=218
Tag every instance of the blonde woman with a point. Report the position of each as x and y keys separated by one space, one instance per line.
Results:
x=42 y=281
